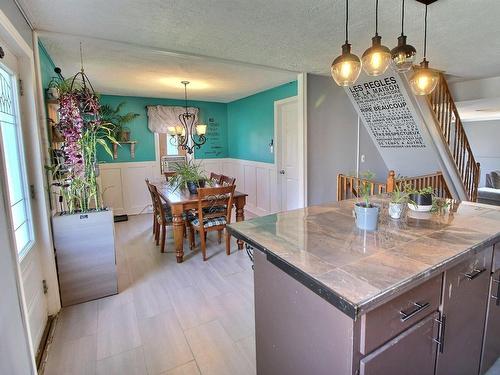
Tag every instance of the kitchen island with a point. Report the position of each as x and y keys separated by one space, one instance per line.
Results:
x=418 y=296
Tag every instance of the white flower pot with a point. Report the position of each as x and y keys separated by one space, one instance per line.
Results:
x=396 y=210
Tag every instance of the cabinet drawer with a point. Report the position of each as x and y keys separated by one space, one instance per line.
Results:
x=413 y=352
x=392 y=318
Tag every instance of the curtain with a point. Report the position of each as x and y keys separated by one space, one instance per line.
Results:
x=160 y=117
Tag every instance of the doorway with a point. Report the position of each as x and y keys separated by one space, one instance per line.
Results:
x=289 y=135
x=17 y=197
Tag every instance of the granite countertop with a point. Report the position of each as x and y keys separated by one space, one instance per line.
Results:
x=355 y=270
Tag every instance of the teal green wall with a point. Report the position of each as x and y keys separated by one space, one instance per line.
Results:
x=46 y=66
x=251 y=123
x=215 y=147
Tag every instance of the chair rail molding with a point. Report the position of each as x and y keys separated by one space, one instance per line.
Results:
x=123 y=187
x=257 y=179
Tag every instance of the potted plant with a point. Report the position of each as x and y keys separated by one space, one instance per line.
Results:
x=399 y=198
x=420 y=199
x=188 y=175
x=83 y=229
x=365 y=212
x=112 y=116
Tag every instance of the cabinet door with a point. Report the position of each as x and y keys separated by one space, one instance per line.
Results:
x=413 y=352
x=491 y=347
x=465 y=297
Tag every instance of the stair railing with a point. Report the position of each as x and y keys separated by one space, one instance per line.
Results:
x=348 y=186
x=435 y=180
x=454 y=136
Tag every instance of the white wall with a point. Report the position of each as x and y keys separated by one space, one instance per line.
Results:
x=332 y=138
x=125 y=191
x=123 y=186
x=484 y=139
x=258 y=180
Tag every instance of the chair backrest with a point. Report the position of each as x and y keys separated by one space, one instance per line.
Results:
x=159 y=210
x=168 y=175
x=213 y=198
x=227 y=181
x=151 y=193
x=216 y=178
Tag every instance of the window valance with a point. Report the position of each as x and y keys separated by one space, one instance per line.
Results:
x=161 y=117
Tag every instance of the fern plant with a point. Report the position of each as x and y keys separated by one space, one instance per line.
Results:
x=116 y=120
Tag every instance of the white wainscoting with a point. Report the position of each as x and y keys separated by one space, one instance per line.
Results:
x=124 y=188
x=125 y=191
x=258 y=180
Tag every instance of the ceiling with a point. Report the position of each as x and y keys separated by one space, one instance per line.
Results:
x=479 y=110
x=297 y=35
x=124 y=69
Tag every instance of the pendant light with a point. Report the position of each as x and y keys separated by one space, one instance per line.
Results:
x=346 y=67
x=377 y=58
x=182 y=135
x=404 y=54
x=424 y=80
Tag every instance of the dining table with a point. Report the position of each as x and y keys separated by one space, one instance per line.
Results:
x=181 y=201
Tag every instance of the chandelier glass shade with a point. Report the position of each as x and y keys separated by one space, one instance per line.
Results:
x=424 y=80
x=377 y=58
x=183 y=135
x=345 y=68
x=403 y=55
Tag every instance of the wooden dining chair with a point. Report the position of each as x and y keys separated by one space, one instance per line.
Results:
x=215 y=178
x=153 y=205
x=227 y=181
x=207 y=221
x=163 y=218
x=168 y=175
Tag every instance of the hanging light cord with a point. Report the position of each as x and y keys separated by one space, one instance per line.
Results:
x=376 y=17
x=403 y=19
x=425 y=33
x=186 y=97
x=346 y=21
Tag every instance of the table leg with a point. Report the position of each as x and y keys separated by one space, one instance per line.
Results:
x=240 y=215
x=178 y=223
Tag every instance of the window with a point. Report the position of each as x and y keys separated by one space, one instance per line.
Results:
x=172 y=148
x=14 y=163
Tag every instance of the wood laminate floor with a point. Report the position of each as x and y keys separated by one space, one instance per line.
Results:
x=191 y=318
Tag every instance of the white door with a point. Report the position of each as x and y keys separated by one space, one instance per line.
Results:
x=289 y=154
x=13 y=171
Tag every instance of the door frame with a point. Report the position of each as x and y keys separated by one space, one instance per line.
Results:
x=33 y=117
x=301 y=99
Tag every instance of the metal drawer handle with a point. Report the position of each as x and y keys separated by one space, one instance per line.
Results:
x=475 y=273
x=419 y=307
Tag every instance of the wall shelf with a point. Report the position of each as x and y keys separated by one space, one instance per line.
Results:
x=132 y=148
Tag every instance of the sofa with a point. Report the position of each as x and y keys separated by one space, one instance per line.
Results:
x=490 y=194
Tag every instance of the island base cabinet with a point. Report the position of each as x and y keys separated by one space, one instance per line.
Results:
x=413 y=352
x=465 y=297
x=491 y=347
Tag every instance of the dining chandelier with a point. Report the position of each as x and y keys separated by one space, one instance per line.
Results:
x=346 y=68
x=182 y=135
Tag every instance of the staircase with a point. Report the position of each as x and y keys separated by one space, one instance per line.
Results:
x=453 y=135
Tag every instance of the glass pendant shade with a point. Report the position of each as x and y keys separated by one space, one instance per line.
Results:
x=424 y=80
x=346 y=67
x=403 y=56
x=377 y=58
x=201 y=129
